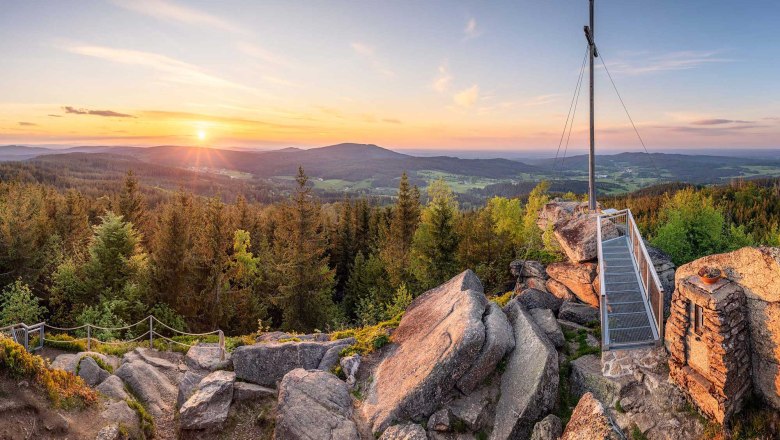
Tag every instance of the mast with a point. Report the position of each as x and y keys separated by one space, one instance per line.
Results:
x=590 y=35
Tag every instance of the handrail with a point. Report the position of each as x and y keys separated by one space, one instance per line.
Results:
x=40 y=328
x=646 y=254
x=602 y=288
x=651 y=287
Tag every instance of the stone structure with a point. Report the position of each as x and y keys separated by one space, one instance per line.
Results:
x=708 y=339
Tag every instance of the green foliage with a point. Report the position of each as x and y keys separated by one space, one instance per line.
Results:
x=368 y=338
x=635 y=433
x=436 y=240
x=692 y=227
x=167 y=315
x=147 y=421
x=18 y=304
x=306 y=281
x=395 y=252
x=102 y=315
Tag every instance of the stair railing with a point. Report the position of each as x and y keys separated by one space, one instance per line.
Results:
x=652 y=289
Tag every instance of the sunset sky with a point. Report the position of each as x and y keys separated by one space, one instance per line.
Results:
x=401 y=74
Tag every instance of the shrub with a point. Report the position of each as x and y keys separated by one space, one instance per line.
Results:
x=147 y=421
x=369 y=338
x=63 y=388
x=18 y=304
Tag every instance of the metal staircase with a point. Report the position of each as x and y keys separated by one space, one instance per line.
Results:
x=631 y=293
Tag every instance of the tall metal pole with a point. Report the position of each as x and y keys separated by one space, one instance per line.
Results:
x=592 y=156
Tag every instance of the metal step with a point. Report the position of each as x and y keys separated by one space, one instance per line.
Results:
x=626 y=307
x=627 y=320
x=640 y=335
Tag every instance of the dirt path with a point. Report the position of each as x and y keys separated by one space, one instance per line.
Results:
x=26 y=414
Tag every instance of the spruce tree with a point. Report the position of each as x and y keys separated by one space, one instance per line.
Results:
x=436 y=240
x=403 y=224
x=344 y=245
x=305 y=281
x=131 y=202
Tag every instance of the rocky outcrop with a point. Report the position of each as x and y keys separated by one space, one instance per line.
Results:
x=757 y=272
x=314 y=405
x=188 y=385
x=590 y=421
x=578 y=237
x=546 y=321
x=665 y=269
x=409 y=431
x=91 y=372
x=69 y=361
x=266 y=363
x=476 y=409
x=537 y=299
x=150 y=385
x=582 y=314
x=440 y=337
x=580 y=279
x=206 y=356
x=120 y=412
x=113 y=388
x=349 y=366
x=586 y=377
x=440 y=421
x=498 y=340
x=559 y=290
x=559 y=211
x=209 y=405
x=550 y=428
x=527 y=269
x=529 y=385
x=243 y=391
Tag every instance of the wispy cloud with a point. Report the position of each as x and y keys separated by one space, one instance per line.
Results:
x=105 y=113
x=468 y=97
x=259 y=52
x=442 y=82
x=175 y=70
x=542 y=99
x=719 y=121
x=369 y=53
x=174 y=12
x=680 y=60
x=471 y=30
x=28 y=124
x=55 y=116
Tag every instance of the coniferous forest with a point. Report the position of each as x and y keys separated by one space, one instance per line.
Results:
x=202 y=263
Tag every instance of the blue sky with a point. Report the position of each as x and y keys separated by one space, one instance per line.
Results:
x=402 y=74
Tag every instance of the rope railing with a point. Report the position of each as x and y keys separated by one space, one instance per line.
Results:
x=151 y=333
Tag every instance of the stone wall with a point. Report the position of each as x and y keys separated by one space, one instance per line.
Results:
x=711 y=366
x=757 y=271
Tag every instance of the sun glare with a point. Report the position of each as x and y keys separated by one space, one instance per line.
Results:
x=201 y=135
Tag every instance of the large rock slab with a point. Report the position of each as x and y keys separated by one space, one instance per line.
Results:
x=206 y=356
x=549 y=428
x=538 y=299
x=582 y=314
x=70 y=361
x=188 y=385
x=243 y=391
x=578 y=238
x=439 y=338
x=587 y=377
x=590 y=421
x=527 y=269
x=559 y=290
x=151 y=386
x=499 y=339
x=559 y=211
x=91 y=372
x=120 y=412
x=267 y=363
x=314 y=405
x=208 y=407
x=409 y=431
x=580 y=279
x=529 y=385
x=546 y=321
x=113 y=387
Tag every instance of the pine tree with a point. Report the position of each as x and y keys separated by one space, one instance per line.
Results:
x=215 y=242
x=115 y=256
x=403 y=224
x=436 y=240
x=306 y=281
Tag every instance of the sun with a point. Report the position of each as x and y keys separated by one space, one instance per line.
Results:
x=201 y=135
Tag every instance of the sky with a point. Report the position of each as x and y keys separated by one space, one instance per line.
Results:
x=446 y=75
